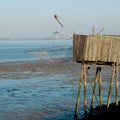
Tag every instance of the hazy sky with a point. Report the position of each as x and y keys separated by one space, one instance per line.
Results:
x=34 y=18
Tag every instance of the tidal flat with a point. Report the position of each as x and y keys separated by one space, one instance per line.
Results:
x=46 y=90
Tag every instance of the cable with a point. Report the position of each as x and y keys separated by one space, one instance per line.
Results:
x=106 y=32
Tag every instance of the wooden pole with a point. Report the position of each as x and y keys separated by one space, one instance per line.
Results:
x=100 y=86
x=94 y=88
x=111 y=84
x=78 y=96
x=101 y=31
x=93 y=31
x=116 y=70
x=85 y=91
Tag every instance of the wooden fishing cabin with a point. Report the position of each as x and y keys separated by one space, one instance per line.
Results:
x=96 y=50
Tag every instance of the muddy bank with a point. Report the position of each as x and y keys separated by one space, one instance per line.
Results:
x=103 y=113
x=27 y=69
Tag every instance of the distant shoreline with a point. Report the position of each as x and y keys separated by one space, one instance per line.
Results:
x=44 y=38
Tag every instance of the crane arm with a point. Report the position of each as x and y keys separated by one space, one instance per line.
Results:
x=55 y=16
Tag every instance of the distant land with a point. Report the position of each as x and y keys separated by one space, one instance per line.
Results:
x=35 y=38
x=47 y=38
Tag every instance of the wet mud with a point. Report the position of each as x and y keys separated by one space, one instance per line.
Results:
x=103 y=113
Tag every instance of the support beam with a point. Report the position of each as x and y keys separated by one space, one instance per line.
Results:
x=78 y=96
x=94 y=88
x=98 y=80
x=116 y=71
x=111 y=84
x=85 y=91
x=100 y=87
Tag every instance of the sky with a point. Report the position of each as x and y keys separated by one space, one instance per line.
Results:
x=34 y=18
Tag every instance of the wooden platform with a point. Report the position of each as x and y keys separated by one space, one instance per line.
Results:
x=96 y=49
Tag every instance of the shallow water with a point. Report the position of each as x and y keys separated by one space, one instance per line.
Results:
x=37 y=98
x=21 y=50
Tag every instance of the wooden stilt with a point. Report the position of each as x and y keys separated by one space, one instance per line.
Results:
x=116 y=70
x=85 y=91
x=100 y=87
x=78 y=96
x=94 y=88
x=111 y=84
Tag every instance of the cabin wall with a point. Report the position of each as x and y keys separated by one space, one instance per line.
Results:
x=79 y=46
x=95 y=49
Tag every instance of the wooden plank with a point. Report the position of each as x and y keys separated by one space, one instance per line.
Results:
x=105 y=43
x=114 y=51
x=74 y=47
x=79 y=46
x=99 y=48
x=82 y=47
